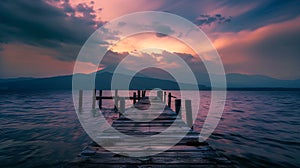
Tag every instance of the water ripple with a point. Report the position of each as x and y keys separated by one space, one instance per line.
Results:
x=257 y=129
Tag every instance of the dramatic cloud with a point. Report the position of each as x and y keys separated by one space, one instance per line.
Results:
x=251 y=15
x=271 y=50
x=209 y=19
x=254 y=37
x=40 y=24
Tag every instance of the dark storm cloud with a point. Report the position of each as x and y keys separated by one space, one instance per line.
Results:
x=40 y=24
x=209 y=19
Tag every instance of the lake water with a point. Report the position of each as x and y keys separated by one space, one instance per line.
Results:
x=257 y=129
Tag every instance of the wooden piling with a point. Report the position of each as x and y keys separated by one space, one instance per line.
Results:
x=144 y=93
x=94 y=99
x=169 y=99
x=189 y=114
x=80 y=99
x=139 y=94
x=187 y=152
x=165 y=97
x=100 y=100
x=134 y=98
x=122 y=105
x=178 y=106
x=116 y=99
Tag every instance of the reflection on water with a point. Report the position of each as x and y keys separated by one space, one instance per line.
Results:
x=257 y=129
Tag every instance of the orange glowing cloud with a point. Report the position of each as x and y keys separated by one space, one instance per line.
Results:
x=151 y=41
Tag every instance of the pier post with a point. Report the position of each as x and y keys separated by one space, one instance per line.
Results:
x=144 y=93
x=94 y=99
x=134 y=98
x=165 y=97
x=122 y=105
x=80 y=99
x=100 y=99
x=178 y=107
x=139 y=94
x=188 y=111
x=116 y=99
x=169 y=99
x=160 y=95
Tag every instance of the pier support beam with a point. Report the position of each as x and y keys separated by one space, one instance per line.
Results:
x=116 y=100
x=165 y=97
x=122 y=105
x=100 y=100
x=178 y=107
x=139 y=94
x=169 y=99
x=144 y=93
x=189 y=114
x=134 y=98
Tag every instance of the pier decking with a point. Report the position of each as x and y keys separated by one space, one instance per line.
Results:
x=188 y=152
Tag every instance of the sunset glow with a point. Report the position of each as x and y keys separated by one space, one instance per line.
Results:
x=249 y=40
x=151 y=41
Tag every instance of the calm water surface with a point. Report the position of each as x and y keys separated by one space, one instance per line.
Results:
x=257 y=129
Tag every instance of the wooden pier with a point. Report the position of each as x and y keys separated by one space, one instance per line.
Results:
x=188 y=152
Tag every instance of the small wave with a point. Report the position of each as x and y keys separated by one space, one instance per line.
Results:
x=292 y=143
x=239 y=111
x=2 y=132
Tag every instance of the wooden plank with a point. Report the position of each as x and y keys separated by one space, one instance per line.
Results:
x=188 y=152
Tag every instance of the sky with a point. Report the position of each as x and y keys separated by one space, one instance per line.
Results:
x=42 y=38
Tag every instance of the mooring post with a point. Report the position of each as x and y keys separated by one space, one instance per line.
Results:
x=189 y=114
x=144 y=93
x=178 y=107
x=165 y=97
x=169 y=99
x=122 y=105
x=100 y=99
x=160 y=95
x=116 y=98
x=80 y=99
x=134 y=98
x=94 y=99
x=139 y=94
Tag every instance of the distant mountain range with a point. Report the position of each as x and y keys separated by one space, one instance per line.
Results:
x=148 y=80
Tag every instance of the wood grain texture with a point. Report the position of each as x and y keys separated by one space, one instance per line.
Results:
x=188 y=152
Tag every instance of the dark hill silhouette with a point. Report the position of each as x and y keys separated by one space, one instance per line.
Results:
x=147 y=80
